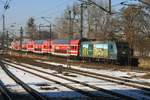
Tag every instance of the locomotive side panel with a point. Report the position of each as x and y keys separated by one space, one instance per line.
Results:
x=100 y=50
x=94 y=50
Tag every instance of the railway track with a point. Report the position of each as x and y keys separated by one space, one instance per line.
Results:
x=85 y=84
x=112 y=79
x=33 y=92
x=83 y=92
x=5 y=94
x=106 y=77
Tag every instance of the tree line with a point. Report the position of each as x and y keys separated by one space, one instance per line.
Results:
x=130 y=23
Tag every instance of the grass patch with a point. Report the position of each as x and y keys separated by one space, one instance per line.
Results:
x=144 y=62
x=146 y=76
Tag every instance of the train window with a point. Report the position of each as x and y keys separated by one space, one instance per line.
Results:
x=72 y=47
x=122 y=45
x=75 y=48
x=38 y=49
x=111 y=46
x=45 y=47
x=119 y=46
x=125 y=46
x=30 y=46
x=60 y=51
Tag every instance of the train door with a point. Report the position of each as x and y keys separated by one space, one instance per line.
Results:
x=90 y=50
x=112 y=51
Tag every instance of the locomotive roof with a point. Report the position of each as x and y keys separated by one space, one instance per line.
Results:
x=89 y=42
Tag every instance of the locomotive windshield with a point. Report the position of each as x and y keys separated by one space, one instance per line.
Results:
x=123 y=49
x=122 y=45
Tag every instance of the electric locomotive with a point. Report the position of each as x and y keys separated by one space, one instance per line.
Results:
x=106 y=51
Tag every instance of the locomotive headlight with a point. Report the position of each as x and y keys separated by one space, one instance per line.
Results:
x=123 y=52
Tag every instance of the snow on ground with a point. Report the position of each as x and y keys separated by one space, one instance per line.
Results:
x=112 y=86
x=134 y=76
x=133 y=92
x=18 y=92
x=50 y=89
x=10 y=83
x=64 y=81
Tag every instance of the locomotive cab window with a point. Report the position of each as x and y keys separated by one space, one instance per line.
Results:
x=111 y=46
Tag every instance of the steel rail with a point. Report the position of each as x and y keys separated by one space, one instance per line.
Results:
x=85 y=84
x=110 y=79
x=33 y=92
x=86 y=93
x=107 y=78
x=4 y=92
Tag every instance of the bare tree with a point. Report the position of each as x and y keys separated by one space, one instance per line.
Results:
x=136 y=28
x=101 y=25
x=31 y=29
x=63 y=23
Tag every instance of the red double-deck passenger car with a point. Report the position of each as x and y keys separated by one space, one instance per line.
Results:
x=42 y=46
x=55 y=47
x=74 y=47
x=47 y=46
x=60 y=47
x=30 y=46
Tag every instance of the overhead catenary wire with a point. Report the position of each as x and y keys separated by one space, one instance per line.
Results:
x=54 y=11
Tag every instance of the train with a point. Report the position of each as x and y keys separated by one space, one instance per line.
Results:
x=84 y=49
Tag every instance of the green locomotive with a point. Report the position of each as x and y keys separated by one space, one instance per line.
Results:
x=106 y=51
